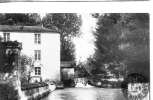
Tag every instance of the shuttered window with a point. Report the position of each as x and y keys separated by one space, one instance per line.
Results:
x=37 y=54
x=6 y=36
x=37 y=38
x=37 y=70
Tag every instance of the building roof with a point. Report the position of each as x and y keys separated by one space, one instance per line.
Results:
x=16 y=28
x=67 y=64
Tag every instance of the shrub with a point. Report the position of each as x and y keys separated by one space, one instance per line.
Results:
x=7 y=92
x=33 y=85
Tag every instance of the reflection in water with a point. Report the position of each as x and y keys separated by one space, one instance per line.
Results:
x=86 y=94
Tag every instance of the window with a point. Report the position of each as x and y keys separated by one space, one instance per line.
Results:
x=37 y=39
x=37 y=55
x=6 y=36
x=37 y=70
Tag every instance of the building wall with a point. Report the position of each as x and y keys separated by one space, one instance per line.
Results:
x=67 y=73
x=50 y=52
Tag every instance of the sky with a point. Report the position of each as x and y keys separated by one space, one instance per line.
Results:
x=84 y=45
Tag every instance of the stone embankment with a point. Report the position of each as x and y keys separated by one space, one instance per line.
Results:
x=35 y=91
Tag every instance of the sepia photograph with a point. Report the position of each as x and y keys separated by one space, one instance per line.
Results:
x=74 y=56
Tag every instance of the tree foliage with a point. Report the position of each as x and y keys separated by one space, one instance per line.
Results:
x=123 y=38
x=67 y=51
x=9 y=56
x=68 y=24
x=107 y=40
x=20 y=19
x=26 y=68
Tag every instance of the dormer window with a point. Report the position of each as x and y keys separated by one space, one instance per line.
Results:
x=37 y=38
x=6 y=36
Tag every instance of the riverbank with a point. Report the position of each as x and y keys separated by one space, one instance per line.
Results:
x=36 y=91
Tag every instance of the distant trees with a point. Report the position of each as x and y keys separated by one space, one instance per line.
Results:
x=67 y=50
x=68 y=24
x=81 y=70
x=123 y=38
x=20 y=19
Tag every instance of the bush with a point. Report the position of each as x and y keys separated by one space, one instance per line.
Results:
x=7 y=92
x=33 y=85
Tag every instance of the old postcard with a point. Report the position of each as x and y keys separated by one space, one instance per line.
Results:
x=74 y=56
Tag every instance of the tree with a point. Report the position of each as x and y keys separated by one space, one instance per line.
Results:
x=20 y=19
x=107 y=41
x=68 y=24
x=123 y=38
x=137 y=53
x=67 y=51
x=26 y=68
x=9 y=52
